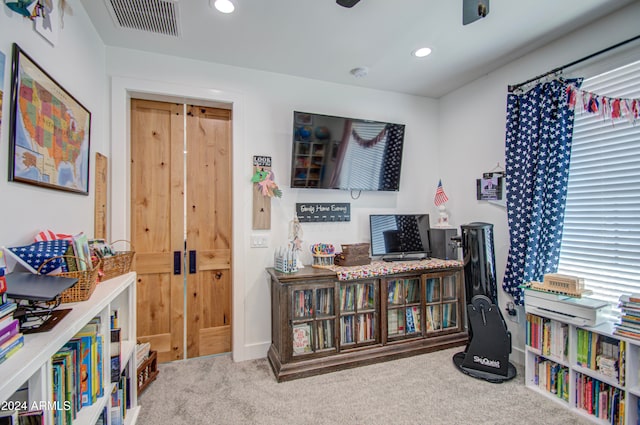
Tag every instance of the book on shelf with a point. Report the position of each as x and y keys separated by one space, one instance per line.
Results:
x=7 y=308
x=8 y=328
x=303 y=303
x=73 y=348
x=114 y=319
x=325 y=301
x=63 y=390
x=302 y=338
x=90 y=362
x=365 y=296
x=82 y=251
x=11 y=346
x=114 y=351
x=413 y=291
x=346 y=297
x=366 y=327
x=346 y=329
x=31 y=417
x=395 y=321
x=412 y=319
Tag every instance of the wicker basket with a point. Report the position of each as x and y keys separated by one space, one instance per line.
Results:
x=87 y=280
x=117 y=264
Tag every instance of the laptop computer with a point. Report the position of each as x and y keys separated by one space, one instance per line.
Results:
x=35 y=287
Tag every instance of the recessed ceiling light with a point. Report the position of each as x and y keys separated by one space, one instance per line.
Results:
x=224 y=6
x=422 y=52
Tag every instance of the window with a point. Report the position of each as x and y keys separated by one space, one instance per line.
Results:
x=601 y=239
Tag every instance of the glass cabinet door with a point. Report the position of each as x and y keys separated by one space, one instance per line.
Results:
x=404 y=308
x=313 y=325
x=441 y=302
x=358 y=317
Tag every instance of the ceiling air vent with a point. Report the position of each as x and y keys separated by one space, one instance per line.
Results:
x=157 y=16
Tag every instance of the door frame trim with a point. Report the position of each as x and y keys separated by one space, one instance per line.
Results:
x=122 y=90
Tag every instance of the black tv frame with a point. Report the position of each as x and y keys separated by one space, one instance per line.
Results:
x=403 y=249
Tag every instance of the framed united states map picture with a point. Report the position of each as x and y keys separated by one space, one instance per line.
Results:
x=49 y=130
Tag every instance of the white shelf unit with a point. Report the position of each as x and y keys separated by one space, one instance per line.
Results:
x=629 y=386
x=32 y=363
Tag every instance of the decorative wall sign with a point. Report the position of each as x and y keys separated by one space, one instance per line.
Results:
x=49 y=130
x=261 y=203
x=320 y=212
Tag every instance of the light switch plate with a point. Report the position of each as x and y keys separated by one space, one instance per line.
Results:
x=259 y=241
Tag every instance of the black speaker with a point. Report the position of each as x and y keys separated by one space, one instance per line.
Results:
x=479 y=261
x=442 y=245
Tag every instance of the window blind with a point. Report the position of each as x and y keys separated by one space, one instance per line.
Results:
x=601 y=238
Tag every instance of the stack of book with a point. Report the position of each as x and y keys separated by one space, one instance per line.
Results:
x=77 y=373
x=11 y=339
x=629 y=325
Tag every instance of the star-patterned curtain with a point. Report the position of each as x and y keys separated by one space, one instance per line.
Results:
x=538 y=151
x=392 y=157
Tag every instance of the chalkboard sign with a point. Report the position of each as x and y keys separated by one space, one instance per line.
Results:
x=320 y=212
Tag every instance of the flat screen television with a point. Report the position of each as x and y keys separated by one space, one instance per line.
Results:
x=400 y=236
x=345 y=153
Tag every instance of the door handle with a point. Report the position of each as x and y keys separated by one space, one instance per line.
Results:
x=192 y=261
x=177 y=262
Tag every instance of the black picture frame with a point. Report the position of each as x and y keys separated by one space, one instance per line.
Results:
x=49 y=130
x=489 y=188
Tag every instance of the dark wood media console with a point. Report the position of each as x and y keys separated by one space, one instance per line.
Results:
x=321 y=324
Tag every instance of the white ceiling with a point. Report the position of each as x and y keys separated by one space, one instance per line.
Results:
x=319 y=39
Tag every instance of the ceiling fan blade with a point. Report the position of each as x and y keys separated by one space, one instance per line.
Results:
x=472 y=10
x=347 y=3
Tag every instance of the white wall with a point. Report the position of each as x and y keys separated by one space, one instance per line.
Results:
x=77 y=63
x=263 y=105
x=472 y=124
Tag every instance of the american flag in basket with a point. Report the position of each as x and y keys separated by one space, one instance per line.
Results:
x=32 y=256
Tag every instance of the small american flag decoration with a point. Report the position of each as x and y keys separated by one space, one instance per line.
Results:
x=440 y=197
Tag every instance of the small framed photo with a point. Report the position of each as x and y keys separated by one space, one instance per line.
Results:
x=303 y=118
x=489 y=187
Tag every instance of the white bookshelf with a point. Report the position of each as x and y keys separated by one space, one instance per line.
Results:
x=627 y=381
x=32 y=363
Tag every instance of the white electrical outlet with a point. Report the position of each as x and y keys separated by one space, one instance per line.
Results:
x=259 y=241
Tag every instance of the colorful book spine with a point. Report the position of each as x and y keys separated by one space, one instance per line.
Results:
x=9 y=330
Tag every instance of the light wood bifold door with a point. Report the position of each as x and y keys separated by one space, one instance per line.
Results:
x=181 y=221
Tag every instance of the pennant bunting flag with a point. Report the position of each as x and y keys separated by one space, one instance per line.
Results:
x=607 y=107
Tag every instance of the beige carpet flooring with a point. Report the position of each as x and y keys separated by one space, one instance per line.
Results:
x=424 y=389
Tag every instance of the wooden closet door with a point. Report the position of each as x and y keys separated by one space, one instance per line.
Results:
x=209 y=224
x=157 y=223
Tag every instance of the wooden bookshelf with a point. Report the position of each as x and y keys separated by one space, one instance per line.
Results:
x=321 y=324
x=29 y=371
